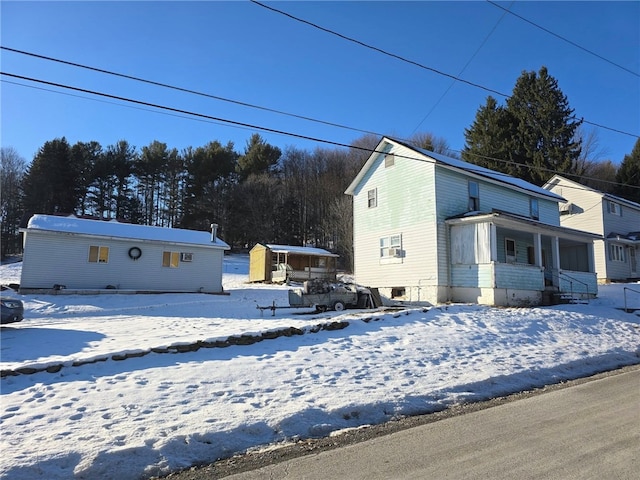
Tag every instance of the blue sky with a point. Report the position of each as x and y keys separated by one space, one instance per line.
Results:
x=243 y=52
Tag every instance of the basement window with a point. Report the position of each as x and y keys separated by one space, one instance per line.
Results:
x=98 y=254
x=170 y=259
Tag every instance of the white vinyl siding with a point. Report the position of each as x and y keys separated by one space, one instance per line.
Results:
x=406 y=205
x=591 y=212
x=69 y=266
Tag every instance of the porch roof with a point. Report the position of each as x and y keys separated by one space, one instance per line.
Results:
x=632 y=238
x=526 y=224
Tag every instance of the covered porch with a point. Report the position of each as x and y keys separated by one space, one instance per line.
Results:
x=504 y=259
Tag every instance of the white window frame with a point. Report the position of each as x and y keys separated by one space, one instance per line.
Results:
x=614 y=208
x=391 y=248
x=616 y=253
x=510 y=258
x=534 y=208
x=372 y=198
x=474 y=197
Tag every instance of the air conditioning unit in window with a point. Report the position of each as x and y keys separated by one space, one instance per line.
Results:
x=186 y=257
x=566 y=208
x=395 y=252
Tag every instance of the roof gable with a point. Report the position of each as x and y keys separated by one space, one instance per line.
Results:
x=115 y=229
x=559 y=180
x=503 y=179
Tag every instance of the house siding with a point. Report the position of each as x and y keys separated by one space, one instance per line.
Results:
x=414 y=220
x=54 y=258
x=590 y=213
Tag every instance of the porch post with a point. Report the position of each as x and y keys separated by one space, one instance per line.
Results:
x=555 y=245
x=591 y=258
x=493 y=241
x=537 y=240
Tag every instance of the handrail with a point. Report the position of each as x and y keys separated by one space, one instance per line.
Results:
x=624 y=292
x=571 y=280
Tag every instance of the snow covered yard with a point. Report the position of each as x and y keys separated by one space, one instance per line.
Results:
x=158 y=412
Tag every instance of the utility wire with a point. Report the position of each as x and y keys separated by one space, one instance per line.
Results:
x=564 y=39
x=181 y=89
x=453 y=82
x=203 y=117
x=412 y=62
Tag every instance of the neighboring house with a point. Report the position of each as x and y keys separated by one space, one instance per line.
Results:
x=281 y=263
x=79 y=255
x=432 y=228
x=617 y=254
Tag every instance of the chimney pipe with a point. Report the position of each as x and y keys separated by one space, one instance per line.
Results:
x=214 y=232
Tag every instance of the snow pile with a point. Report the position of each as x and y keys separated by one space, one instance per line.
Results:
x=159 y=412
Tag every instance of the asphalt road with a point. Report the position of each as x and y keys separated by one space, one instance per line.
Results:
x=590 y=430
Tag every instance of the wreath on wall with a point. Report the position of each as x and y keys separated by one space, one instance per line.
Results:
x=135 y=253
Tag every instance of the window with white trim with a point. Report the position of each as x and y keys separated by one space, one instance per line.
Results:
x=171 y=259
x=616 y=252
x=614 y=208
x=98 y=254
x=391 y=246
x=474 y=196
x=510 y=250
x=372 y=198
x=534 y=209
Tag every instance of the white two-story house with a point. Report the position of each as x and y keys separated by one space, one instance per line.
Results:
x=617 y=221
x=431 y=228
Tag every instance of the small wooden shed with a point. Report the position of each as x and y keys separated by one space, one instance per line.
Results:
x=77 y=255
x=281 y=263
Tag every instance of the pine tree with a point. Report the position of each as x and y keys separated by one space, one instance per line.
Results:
x=532 y=137
x=628 y=175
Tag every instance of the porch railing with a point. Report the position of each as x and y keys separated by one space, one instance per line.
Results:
x=562 y=276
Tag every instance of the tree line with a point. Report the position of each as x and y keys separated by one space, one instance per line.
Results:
x=296 y=197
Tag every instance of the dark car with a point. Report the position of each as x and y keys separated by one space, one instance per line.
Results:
x=12 y=310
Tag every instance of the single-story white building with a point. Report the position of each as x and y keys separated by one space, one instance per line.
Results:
x=70 y=254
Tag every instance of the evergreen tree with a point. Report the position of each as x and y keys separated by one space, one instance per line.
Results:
x=53 y=182
x=534 y=139
x=259 y=157
x=628 y=175
x=488 y=140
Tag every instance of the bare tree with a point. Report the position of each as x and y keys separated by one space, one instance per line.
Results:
x=12 y=168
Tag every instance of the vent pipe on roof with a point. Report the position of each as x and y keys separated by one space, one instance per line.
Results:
x=214 y=232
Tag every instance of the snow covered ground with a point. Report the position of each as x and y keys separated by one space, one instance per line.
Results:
x=158 y=412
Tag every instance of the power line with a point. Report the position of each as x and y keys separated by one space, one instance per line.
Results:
x=200 y=116
x=564 y=39
x=453 y=82
x=181 y=89
x=412 y=62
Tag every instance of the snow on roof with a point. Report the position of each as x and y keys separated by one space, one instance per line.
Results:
x=491 y=174
x=115 y=229
x=467 y=167
x=318 y=252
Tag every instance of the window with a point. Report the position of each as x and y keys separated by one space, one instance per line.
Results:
x=391 y=246
x=614 y=209
x=389 y=160
x=98 y=254
x=170 y=259
x=510 y=250
x=474 y=196
x=616 y=253
x=372 y=198
x=534 y=211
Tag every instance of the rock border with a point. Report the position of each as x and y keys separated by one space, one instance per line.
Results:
x=191 y=347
